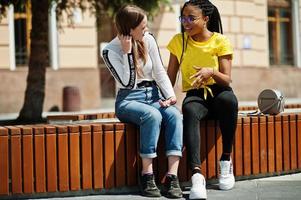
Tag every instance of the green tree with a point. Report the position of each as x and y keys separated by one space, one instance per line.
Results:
x=32 y=108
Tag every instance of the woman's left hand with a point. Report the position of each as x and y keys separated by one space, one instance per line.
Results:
x=201 y=76
x=168 y=102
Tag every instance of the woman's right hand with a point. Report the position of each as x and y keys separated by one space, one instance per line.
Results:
x=168 y=102
x=126 y=43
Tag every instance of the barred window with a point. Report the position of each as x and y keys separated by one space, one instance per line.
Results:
x=280 y=32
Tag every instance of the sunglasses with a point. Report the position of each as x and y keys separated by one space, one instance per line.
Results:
x=188 y=19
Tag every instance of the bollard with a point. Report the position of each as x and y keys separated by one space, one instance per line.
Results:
x=71 y=99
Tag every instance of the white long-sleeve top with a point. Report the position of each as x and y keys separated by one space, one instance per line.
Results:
x=122 y=66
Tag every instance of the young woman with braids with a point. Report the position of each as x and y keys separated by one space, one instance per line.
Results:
x=133 y=59
x=204 y=57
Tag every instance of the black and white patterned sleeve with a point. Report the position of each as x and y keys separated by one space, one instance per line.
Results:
x=121 y=67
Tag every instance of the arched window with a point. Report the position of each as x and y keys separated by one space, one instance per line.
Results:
x=280 y=32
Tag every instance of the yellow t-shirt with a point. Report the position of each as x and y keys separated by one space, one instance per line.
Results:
x=201 y=54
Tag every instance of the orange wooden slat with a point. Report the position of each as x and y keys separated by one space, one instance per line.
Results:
x=40 y=160
x=63 y=158
x=111 y=115
x=16 y=160
x=271 y=144
x=211 y=161
x=72 y=117
x=4 y=162
x=238 y=164
x=299 y=140
x=97 y=135
x=255 y=145
x=51 y=159
x=162 y=160
x=183 y=167
x=109 y=170
x=74 y=157
x=286 y=143
x=120 y=155
x=293 y=141
x=28 y=153
x=263 y=145
x=278 y=144
x=246 y=146
x=105 y=115
x=131 y=154
x=86 y=159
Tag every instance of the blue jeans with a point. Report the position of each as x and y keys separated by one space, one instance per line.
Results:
x=141 y=107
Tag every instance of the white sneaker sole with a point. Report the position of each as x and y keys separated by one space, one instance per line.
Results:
x=226 y=187
x=194 y=195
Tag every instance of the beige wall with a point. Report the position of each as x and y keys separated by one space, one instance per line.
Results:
x=164 y=27
x=78 y=43
x=4 y=42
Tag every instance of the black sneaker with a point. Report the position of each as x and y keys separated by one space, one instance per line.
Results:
x=148 y=186
x=172 y=187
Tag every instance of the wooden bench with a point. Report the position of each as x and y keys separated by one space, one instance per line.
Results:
x=95 y=158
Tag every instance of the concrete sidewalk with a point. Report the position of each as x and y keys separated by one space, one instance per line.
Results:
x=286 y=187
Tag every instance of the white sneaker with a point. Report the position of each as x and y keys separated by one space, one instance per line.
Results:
x=226 y=178
x=198 y=189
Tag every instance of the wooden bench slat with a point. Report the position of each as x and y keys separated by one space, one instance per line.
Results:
x=278 y=145
x=74 y=157
x=286 y=143
x=120 y=153
x=255 y=145
x=4 y=161
x=271 y=144
x=131 y=154
x=211 y=158
x=86 y=156
x=263 y=145
x=40 y=160
x=97 y=136
x=109 y=158
x=63 y=159
x=16 y=160
x=299 y=140
x=293 y=141
x=246 y=146
x=238 y=153
x=51 y=159
x=28 y=163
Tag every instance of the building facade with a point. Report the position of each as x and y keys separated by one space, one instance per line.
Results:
x=265 y=35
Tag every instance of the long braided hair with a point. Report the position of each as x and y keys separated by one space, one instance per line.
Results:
x=208 y=9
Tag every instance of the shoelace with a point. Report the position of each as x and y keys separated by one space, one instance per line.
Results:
x=174 y=183
x=150 y=182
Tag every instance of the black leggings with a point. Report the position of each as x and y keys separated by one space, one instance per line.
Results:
x=223 y=106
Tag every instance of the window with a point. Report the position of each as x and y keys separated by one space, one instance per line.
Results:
x=22 y=15
x=280 y=32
